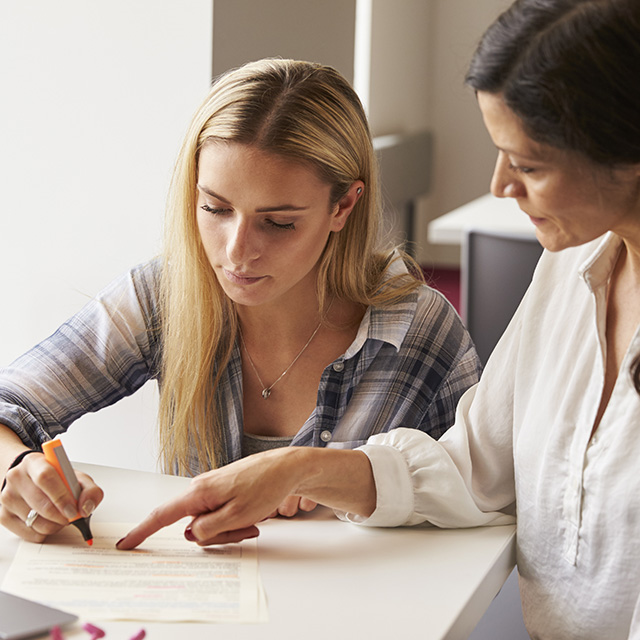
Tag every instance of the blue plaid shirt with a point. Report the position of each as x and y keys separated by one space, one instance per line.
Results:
x=408 y=366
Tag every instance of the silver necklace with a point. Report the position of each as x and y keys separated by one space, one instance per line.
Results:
x=266 y=391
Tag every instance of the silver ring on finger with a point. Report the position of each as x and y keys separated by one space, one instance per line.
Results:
x=31 y=518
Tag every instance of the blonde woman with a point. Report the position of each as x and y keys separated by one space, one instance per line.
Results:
x=274 y=317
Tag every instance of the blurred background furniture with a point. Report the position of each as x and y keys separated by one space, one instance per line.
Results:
x=487 y=213
x=497 y=268
x=405 y=162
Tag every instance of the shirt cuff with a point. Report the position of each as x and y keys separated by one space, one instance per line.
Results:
x=394 y=489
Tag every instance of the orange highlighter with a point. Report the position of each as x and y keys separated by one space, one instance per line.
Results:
x=55 y=454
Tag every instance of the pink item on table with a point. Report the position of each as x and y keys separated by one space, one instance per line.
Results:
x=56 y=634
x=96 y=632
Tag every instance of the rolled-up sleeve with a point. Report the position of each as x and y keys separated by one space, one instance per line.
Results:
x=105 y=352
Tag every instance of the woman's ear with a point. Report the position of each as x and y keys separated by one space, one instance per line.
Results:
x=345 y=205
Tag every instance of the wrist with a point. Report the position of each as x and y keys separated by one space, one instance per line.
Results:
x=337 y=478
x=306 y=467
x=16 y=461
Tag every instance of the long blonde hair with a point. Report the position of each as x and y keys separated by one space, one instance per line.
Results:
x=304 y=112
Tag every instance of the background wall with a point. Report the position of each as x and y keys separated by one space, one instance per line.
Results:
x=464 y=154
x=95 y=99
x=245 y=30
x=419 y=55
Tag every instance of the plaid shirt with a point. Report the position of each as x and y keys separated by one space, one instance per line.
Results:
x=408 y=366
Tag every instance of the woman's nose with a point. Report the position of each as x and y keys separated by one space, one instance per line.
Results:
x=242 y=244
x=505 y=183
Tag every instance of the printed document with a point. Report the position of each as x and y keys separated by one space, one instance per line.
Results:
x=164 y=579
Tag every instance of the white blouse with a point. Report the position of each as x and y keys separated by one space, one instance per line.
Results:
x=522 y=443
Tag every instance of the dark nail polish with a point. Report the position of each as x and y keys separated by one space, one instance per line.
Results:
x=188 y=534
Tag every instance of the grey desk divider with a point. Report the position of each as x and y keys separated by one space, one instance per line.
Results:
x=496 y=271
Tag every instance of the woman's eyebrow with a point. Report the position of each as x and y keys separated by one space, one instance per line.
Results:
x=529 y=155
x=513 y=152
x=212 y=193
x=281 y=207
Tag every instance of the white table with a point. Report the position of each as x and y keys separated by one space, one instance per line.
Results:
x=502 y=215
x=328 y=579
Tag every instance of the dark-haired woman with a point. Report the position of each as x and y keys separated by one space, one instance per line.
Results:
x=551 y=434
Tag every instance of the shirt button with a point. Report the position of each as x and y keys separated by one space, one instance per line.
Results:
x=338 y=366
x=325 y=436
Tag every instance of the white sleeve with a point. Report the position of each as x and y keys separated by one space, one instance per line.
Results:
x=417 y=480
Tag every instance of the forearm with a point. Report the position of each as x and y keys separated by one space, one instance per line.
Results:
x=227 y=503
x=337 y=478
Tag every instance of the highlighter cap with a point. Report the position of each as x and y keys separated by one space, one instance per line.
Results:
x=82 y=524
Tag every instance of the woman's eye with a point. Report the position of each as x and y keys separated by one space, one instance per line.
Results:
x=272 y=224
x=214 y=210
x=519 y=169
x=281 y=227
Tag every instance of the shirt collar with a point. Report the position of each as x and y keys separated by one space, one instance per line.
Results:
x=597 y=268
x=386 y=324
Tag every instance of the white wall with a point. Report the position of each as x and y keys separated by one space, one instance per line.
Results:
x=95 y=99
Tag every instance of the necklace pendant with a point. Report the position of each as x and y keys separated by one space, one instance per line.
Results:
x=266 y=392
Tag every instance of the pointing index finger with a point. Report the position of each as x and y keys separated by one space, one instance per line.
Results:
x=162 y=516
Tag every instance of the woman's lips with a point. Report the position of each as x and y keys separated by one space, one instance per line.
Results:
x=536 y=221
x=239 y=278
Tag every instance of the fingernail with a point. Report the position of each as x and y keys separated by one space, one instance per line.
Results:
x=88 y=508
x=70 y=512
x=119 y=541
x=189 y=535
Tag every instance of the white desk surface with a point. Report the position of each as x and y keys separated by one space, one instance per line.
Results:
x=329 y=579
x=487 y=213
